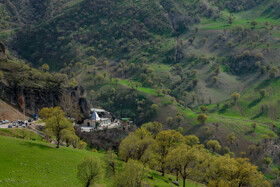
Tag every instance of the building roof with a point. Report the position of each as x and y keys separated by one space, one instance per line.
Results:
x=94 y=116
x=97 y=110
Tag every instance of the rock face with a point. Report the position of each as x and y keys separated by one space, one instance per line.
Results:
x=32 y=100
x=2 y=48
x=176 y=183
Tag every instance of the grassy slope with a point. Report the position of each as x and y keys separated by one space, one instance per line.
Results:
x=21 y=133
x=33 y=163
x=231 y=118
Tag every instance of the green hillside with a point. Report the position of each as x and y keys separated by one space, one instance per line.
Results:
x=160 y=60
x=33 y=163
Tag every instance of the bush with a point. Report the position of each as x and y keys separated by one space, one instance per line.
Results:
x=82 y=144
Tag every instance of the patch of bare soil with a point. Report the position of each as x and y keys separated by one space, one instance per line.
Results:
x=7 y=112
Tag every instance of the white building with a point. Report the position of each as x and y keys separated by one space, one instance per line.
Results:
x=99 y=119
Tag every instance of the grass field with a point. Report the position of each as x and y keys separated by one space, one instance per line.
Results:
x=33 y=163
x=21 y=133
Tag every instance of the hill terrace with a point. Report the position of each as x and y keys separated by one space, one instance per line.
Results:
x=100 y=119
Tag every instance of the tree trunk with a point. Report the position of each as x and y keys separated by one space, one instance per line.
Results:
x=184 y=182
x=177 y=175
x=58 y=142
x=162 y=172
x=88 y=183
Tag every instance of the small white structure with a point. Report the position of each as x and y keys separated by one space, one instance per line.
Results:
x=99 y=119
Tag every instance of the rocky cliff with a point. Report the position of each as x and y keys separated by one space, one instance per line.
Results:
x=30 y=90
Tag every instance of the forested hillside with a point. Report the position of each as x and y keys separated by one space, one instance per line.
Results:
x=204 y=67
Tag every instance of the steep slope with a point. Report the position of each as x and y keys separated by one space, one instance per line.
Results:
x=30 y=90
x=8 y=112
x=108 y=28
x=179 y=55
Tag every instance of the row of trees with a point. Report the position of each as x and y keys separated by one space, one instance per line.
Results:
x=169 y=151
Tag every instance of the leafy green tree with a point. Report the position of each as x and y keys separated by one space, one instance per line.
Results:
x=56 y=123
x=251 y=149
x=105 y=63
x=154 y=107
x=267 y=161
x=46 y=113
x=132 y=175
x=231 y=137
x=169 y=120
x=180 y=130
x=193 y=97
x=179 y=118
x=135 y=144
x=153 y=127
x=158 y=91
x=192 y=140
x=93 y=59
x=203 y=108
x=78 y=65
x=263 y=92
x=82 y=144
x=230 y=44
x=202 y=118
x=235 y=96
x=254 y=23
x=263 y=69
x=73 y=83
x=258 y=64
x=72 y=75
x=69 y=137
x=90 y=171
x=111 y=161
x=215 y=79
x=45 y=67
x=271 y=135
x=164 y=141
x=184 y=159
x=235 y=172
x=230 y=20
x=168 y=91
x=259 y=56
x=273 y=71
x=214 y=145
